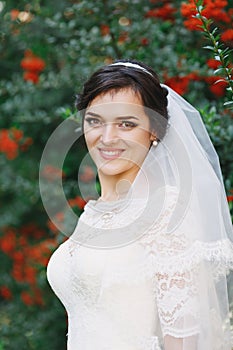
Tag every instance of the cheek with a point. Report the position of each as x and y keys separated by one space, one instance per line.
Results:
x=143 y=138
x=90 y=136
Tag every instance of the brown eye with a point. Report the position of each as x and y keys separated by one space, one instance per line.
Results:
x=95 y=122
x=127 y=124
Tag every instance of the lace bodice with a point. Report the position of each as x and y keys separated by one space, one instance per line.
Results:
x=125 y=298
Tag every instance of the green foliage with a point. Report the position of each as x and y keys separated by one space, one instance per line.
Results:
x=220 y=130
x=221 y=53
x=33 y=328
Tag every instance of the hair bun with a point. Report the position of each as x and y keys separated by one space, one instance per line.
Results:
x=165 y=91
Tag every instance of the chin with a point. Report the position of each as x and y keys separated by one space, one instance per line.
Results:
x=111 y=169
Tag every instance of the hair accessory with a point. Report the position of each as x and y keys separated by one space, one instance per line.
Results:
x=132 y=65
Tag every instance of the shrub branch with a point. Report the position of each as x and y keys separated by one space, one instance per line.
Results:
x=221 y=54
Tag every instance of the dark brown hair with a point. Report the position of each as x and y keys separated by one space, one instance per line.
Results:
x=118 y=77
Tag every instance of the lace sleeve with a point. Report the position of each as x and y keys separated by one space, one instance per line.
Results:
x=175 y=282
x=186 y=289
x=177 y=303
x=188 y=306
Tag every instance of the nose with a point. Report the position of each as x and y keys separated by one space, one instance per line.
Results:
x=109 y=133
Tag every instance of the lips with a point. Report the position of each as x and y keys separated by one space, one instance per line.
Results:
x=109 y=154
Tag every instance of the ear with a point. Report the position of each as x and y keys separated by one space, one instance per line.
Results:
x=153 y=136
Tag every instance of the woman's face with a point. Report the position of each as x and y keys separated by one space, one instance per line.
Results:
x=117 y=133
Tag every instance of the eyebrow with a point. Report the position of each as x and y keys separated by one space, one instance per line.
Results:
x=118 y=118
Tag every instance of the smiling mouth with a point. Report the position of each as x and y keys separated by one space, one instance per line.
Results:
x=110 y=153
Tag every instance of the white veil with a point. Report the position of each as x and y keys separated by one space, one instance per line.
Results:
x=197 y=247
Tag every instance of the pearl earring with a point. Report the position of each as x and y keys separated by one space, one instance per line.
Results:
x=155 y=143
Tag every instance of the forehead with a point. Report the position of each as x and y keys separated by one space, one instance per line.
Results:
x=125 y=102
x=121 y=95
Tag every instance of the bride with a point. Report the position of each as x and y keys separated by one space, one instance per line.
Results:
x=146 y=266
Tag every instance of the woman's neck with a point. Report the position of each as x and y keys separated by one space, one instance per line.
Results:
x=115 y=187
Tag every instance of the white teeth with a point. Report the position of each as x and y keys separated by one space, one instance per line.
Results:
x=110 y=153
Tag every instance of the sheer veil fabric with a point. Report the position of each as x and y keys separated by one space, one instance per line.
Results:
x=196 y=252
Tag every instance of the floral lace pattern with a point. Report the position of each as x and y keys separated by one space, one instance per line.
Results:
x=161 y=271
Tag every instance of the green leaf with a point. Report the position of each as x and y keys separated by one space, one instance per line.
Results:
x=200 y=8
x=228 y=104
x=225 y=56
x=220 y=80
x=214 y=30
x=208 y=47
x=219 y=70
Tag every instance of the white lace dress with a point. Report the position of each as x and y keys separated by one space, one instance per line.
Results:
x=120 y=298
